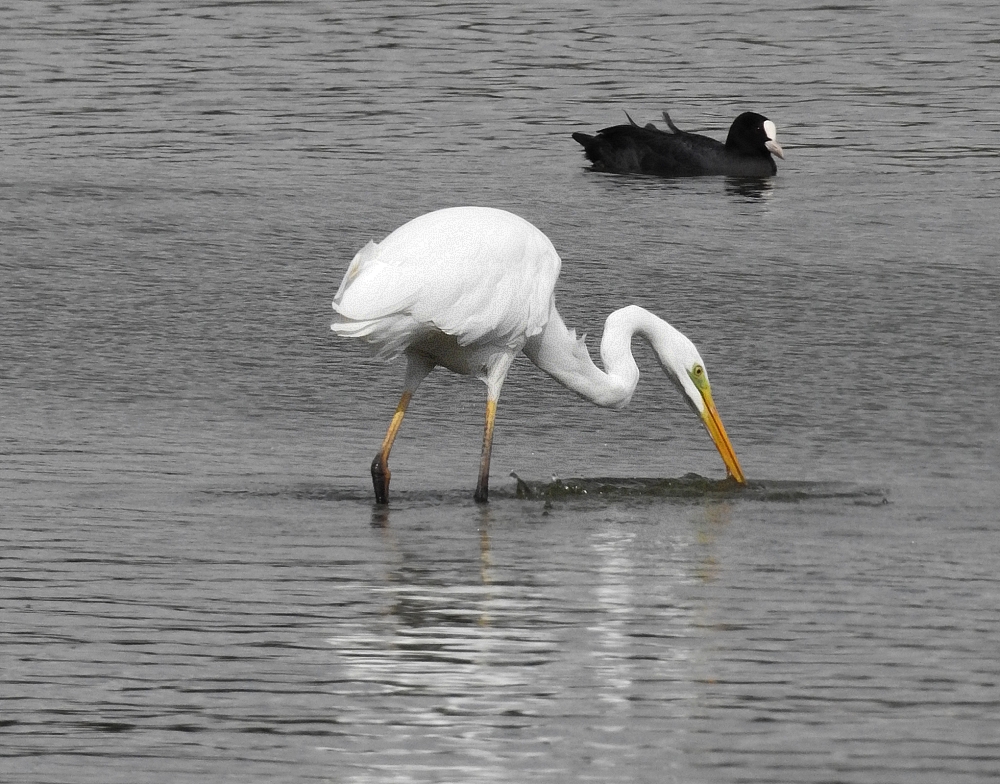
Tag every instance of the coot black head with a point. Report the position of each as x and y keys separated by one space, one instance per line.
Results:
x=754 y=134
x=634 y=149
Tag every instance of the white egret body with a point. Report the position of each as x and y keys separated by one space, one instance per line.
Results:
x=467 y=288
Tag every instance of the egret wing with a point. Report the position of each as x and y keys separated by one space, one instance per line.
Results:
x=477 y=274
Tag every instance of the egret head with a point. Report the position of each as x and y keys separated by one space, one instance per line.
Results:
x=685 y=367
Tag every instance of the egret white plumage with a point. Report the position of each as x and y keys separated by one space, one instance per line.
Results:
x=467 y=288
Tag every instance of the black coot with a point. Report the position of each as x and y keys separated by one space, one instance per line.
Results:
x=632 y=149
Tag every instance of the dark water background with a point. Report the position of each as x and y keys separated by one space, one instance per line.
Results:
x=194 y=585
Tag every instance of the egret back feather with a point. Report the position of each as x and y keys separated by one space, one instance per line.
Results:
x=477 y=274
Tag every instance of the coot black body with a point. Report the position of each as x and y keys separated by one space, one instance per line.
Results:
x=632 y=149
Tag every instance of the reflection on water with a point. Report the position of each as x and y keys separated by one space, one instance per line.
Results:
x=492 y=653
x=749 y=188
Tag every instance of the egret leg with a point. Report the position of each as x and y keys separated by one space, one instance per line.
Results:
x=417 y=368
x=380 y=465
x=494 y=382
x=483 y=485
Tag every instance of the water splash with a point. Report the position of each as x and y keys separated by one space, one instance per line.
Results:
x=697 y=486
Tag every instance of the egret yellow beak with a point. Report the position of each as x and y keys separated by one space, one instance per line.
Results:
x=713 y=423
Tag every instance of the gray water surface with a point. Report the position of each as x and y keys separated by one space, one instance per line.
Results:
x=195 y=584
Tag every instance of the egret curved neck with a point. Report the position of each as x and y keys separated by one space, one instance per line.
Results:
x=560 y=353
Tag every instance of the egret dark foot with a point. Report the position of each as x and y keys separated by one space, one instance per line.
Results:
x=380 y=480
x=482 y=493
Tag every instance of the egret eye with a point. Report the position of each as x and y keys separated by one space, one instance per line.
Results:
x=698 y=376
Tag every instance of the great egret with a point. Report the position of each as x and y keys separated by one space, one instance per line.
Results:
x=467 y=288
x=630 y=149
